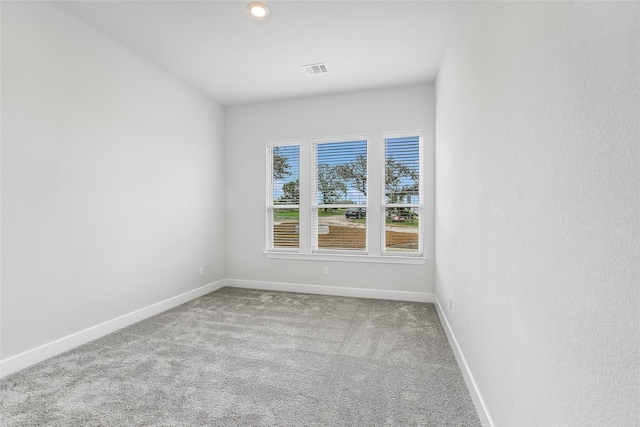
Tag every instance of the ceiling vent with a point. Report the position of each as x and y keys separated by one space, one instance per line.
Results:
x=313 y=69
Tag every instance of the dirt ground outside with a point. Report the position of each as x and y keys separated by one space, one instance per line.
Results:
x=343 y=234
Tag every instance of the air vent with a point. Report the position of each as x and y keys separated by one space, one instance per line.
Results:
x=313 y=69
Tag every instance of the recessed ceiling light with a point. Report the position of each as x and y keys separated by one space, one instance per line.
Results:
x=258 y=10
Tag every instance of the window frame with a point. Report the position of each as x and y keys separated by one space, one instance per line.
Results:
x=316 y=206
x=376 y=204
x=383 y=203
x=270 y=205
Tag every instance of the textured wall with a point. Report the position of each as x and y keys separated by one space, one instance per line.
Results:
x=248 y=127
x=111 y=179
x=537 y=208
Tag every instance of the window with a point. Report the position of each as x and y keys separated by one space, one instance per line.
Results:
x=361 y=198
x=283 y=196
x=339 y=195
x=402 y=198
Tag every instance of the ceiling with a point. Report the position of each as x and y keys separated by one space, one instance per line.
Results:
x=223 y=52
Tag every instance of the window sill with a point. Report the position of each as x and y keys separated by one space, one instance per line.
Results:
x=390 y=259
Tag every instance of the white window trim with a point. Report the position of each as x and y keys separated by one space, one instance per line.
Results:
x=420 y=205
x=315 y=206
x=305 y=252
x=350 y=257
x=269 y=196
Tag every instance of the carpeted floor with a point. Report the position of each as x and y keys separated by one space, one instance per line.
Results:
x=242 y=357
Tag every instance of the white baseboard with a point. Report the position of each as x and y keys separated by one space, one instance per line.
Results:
x=478 y=401
x=334 y=290
x=45 y=351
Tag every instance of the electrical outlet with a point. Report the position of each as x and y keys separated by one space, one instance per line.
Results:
x=201 y=271
x=326 y=270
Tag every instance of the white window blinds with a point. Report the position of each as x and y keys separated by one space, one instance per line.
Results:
x=283 y=196
x=339 y=195
x=403 y=200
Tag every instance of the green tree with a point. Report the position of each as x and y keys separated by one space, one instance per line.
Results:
x=355 y=173
x=330 y=184
x=395 y=173
x=291 y=193
x=281 y=167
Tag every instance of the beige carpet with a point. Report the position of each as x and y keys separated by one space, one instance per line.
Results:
x=241 y=357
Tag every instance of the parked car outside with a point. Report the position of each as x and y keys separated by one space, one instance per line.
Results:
x=396 y=217
x=401 y=215
x=356 y=213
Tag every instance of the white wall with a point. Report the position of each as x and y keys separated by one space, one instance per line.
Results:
x=112 y=180
x=248 y=127
x=537 y=208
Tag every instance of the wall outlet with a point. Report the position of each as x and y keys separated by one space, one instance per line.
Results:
x=326 y=270
x=450 y=303
x=201 y=271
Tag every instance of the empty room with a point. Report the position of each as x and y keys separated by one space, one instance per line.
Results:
x=319 y=213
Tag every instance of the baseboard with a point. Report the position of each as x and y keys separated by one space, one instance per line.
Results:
x=476 y=396
x=334 y=290
x=45 y=351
